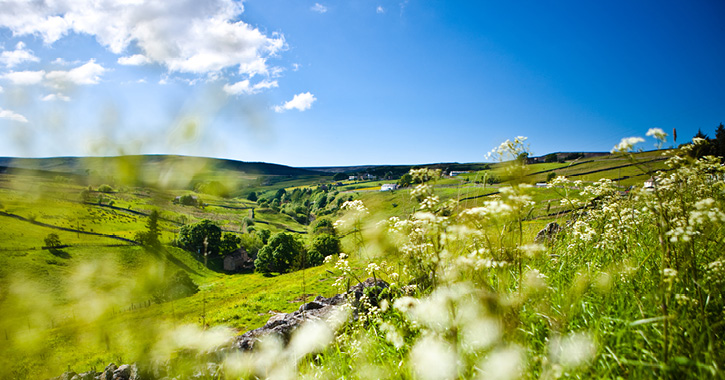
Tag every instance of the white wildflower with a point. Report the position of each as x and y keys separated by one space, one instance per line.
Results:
x=433 y=359
x=626 y=144
x=572 y=350
x=502 y=364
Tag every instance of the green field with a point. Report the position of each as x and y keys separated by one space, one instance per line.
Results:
x=97 y=300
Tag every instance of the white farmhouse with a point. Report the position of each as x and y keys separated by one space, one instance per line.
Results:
x=454 y=173
x=650 y=183
x=388 y=187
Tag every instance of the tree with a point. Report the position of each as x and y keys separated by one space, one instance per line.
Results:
x=282 y=254
x=278 y=195
x=405 y=180
x=52 y=240
x=325 y=245
x=203 y=237
x=720 y=140
x=323 y=226
x=523 y=157
x=189 y=200
x=230 y=243
x=339 y=176
x=150 y=237
x=264 y=235
x=706 y=148
x=252 y=196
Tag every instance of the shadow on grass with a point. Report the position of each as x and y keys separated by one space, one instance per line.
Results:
x=59 y=253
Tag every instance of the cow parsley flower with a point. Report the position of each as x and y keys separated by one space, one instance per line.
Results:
x=626 y=144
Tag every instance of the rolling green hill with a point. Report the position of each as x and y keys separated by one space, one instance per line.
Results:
x=97 y=206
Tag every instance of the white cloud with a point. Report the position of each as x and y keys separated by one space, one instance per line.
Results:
x=244 y=87
x=17 y=56
x=134 y=60
x=189 y=36
x=25 y=78
x=1 y=89
x=295 y=66
x=89 y=73
x=53 y=97
x=300 y=102
x=62 y=62
x=319 y=8
x=380 y=9
x=10 y=115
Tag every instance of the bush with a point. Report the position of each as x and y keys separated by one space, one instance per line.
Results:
x=105 y=189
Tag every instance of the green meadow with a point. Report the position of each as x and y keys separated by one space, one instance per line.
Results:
x=600 y=293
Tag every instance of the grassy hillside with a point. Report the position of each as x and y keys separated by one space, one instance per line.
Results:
x=96 y=299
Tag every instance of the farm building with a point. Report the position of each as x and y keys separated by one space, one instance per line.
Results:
x=650 y=183
x=388 y=187
x=454 y=173
x=238 y=260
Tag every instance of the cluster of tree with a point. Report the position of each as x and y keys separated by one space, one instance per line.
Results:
x=302 y=204
x=711 y=147
x=206 y=238
x=285 y=252
x=553 y=157
x=189 y=200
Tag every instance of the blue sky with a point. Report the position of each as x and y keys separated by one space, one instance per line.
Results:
x=312 y=83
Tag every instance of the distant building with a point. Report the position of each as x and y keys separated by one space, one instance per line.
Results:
x=651 y=182
x=389 y=187
x=362 y=177
x=541 y=184
x=238 y=260
x=454 y=173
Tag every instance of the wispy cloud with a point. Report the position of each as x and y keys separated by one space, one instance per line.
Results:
x=10 y=115
x=86 y=74
x=319 y=8
x=17 y=56
x=53 y=97
x=245 y=87
x=300 y=102
x=380 y=9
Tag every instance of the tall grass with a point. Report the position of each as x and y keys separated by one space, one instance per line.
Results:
x=632 y=288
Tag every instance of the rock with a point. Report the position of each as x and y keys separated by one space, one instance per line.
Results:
x=107 y=373
x=283 y=325
x=122 y=373
x=548 y=233
x=66 y=376
x=90 y=375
